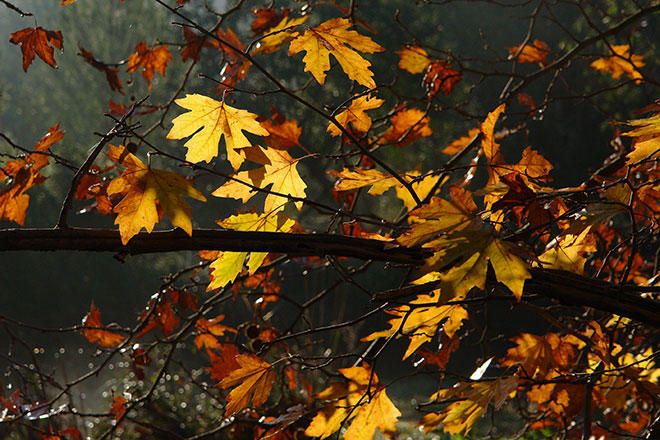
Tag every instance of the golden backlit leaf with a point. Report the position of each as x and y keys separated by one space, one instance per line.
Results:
x=413 y=59
x=228 y=265
x=535 y=52
x=372 y=408
x=207 y=122
x=334 y=37
x=647 y=139
x=356 y=115
x=279 y=174
x=472 y=400
x=620 y=63
x=144 y=191
x=280 y=34
x=569 y=252
x=253 y=381
x=422 y=323
x=469 y=252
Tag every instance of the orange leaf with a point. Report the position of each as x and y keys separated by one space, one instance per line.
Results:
x=255 y=380
x=408 y=125
x=440 y=76
x=535 y=52
x=621 y=62
x=150 y=60
x=38 y=41
x=144 y=189
x=93 y=330
x=224 y=362
x=118 y=408
x=23 y=174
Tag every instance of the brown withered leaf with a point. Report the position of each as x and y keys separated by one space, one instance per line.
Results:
x=94 y=331
x=149 y=59
x=38 y=41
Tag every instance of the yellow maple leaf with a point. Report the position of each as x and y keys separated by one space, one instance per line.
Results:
x=356 y=115
x=362 y=399
x=279 y=34
x=569 y=252
x=207 y=122
x=439 y=217
x=469 y=252
x=334 y=37
x=144 y=190
x=228 y=265
x=621 y=62
x=380 y=182
x=472 y=400
x=413 y=59
x=421 y=323
x=647 y=139
x=279 y=171
x=255 y=380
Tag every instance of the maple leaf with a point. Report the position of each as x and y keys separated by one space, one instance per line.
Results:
x=372 y=408
x=279 y=34
x=111 y=73
x=621 y=62
x=356 y=115
x=569 y=252
x=440 y=76
x=228 y=265
x=255 y=380
x=472 y=400
x=469 y=252
x=93 y=330
x=146 y=189
x=209 y=330
x=283 y=133
x=539 y=356
x=215 y=119
x=421 y=323
x=194 y=45
x=334 y=37
x=38 y=41
x=223 y=361
x=439 y=217
x=279 y=172
x=413 y=59
x=408 y=125
x=536 y=52
x=462 y=142
x=150 y=60
x=266 y=18
x=647 y=139
x=23 y=174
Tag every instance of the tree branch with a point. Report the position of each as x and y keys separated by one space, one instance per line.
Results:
x=565 y=287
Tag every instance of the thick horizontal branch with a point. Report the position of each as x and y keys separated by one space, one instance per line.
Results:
x=565 y=287
x=106 y=240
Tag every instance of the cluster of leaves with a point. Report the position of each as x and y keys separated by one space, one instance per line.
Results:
x=489 y=228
